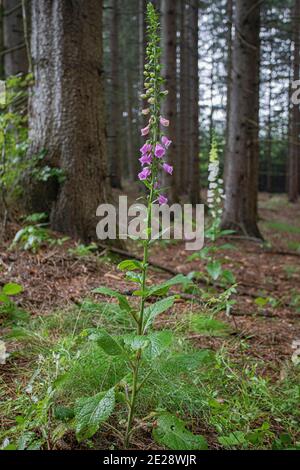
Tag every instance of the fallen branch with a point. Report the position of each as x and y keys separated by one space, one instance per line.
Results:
x=126 y=254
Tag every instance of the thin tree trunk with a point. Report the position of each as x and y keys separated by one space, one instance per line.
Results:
x=15 y=56
x=2 y=72
x=115 y=156
x=131 y=157
x=183 y=138
x=269 y=129
x=194 y=187
x=67 y=108
x=229 y=11
x=243 y=150
x=169 y=30
x=293 y=187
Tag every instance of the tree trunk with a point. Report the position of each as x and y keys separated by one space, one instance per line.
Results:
x=268 y=147
x=115 y=160
x=183 y=127
x=194 y=187
x=293 y=172
x=66 y=116
x=243 y=148
x=229 y=11
x=15 y=56
x=169 y=30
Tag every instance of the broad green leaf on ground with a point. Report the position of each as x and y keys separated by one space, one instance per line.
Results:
x=123 y=302
x=172 y=433
x=12 y=289
x=209 y=326
x=228 y=276
x=156 y=309
x=163 y=289
x=91 y=412
x=130 y=265
x=109 y=345
x=159 y=342
x=214 y=269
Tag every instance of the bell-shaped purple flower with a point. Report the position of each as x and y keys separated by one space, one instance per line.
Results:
x=162 y=200
x=146 y=149
x=164 y=122
x=168 y=168
x=166 y=142
x=145 y=131
x=146 y=159
x=144 y=174
x=160 y=151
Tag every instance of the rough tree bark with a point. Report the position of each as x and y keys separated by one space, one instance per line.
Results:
x=115 y=160
x=15 y=55
x=294 y=147
x=242 y=178
x=268 y=146
x=229 y=36
x=183 y=127
x=194 y=186
x=66 y=116
x=169 y=31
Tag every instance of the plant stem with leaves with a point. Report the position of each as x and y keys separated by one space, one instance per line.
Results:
x=152 y=153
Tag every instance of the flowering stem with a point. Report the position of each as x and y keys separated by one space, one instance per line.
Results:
x=152 y=153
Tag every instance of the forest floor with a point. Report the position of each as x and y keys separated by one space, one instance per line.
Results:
x=257 y=347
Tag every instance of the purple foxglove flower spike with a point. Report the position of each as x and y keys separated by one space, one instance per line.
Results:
x=162 y=200
x=166 y=142
x=146 y=159
x=168 y=168
x=144 y=174
x=146 y=149
x=159 y=151
x=164 y=122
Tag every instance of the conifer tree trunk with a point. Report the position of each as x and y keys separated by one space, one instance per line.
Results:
x=115 y=154
x=184 y=92
x=229 y=11
x=243 y=148
x=15 y=57
x=169 y=30
x=194 y=187
x=294 y=147
x=66 y=115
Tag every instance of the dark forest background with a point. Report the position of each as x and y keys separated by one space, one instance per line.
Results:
x=229 y=67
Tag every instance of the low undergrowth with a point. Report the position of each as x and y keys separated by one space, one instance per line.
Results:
x=224 y=399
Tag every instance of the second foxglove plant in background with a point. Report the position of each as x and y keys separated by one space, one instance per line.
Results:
x=213 y=232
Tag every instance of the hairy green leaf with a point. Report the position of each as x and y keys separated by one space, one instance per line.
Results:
x=214 y=269
x=156 y=309
x=123 y=302
x=109 y=345
x=164 y=288
x=159 y=342
x=130 y=265
x=91 y=412
x=172 y=433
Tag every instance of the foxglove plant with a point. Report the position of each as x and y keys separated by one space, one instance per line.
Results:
x=215 y=192
x=215 y=196
x=143 y=347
